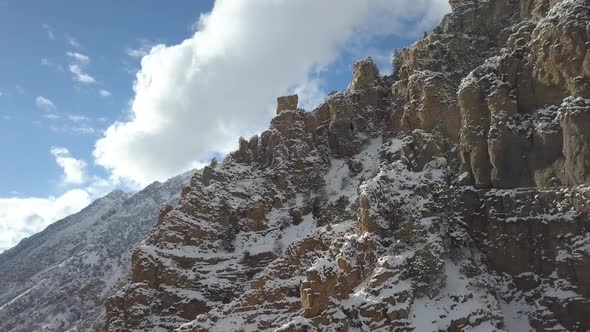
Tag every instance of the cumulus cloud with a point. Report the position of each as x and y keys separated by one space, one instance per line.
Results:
x=44 y=103
x=196 y=98
x=22 y=217
x=104 y=93
x=74 y=169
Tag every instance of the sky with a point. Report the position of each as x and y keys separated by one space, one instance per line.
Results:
x=103 y=95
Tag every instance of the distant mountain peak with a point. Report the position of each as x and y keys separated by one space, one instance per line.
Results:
x=37 y=283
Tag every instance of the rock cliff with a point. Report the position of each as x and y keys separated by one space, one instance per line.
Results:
x=452 y=195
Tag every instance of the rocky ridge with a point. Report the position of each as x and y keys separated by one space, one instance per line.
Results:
x=453 y=195
x=58 y=279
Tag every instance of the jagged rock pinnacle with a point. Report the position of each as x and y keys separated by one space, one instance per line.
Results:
x=287 y=103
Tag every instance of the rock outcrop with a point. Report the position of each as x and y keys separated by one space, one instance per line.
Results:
x=509 y=105
x=202 y=253
x=287 y=103
x=453 y=195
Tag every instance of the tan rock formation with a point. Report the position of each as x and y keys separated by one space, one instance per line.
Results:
x=365 y=75
x=287 y=103
x=504 y=141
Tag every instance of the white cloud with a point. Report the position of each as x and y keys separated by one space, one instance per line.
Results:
x=80 y=75
x=84 y=129
x=137 y=52
x=198 y=97
x=74 y=124
x=104 y=93
x=310 y=93
x=79 y=61
x=22 y=217
x=51 y=116
x=49 y=31
x=50 y=63
x=76 y=129
x=82 y=58
x=72 y=41
x=77 y=118
x=44 y=103
x=74 y=169
x=142 y=50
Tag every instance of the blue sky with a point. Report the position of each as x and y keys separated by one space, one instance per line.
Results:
x=69 y=70
x=104 y=30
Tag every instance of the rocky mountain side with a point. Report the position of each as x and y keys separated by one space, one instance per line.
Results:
x=453 y=195
x=58 y=279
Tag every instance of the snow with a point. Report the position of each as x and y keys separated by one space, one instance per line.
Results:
x=563 y=256
x=339 y=181
x=91 y=258
x=261 y=242
x=568 y=216
x=437 y=313
x=561 y=294
x=322 y=266
x=23 y=294
x=515 y=316
x=297 y=232
x=60 y=277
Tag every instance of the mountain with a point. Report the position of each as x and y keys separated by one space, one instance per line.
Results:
x=453 y=195
x=58 y=279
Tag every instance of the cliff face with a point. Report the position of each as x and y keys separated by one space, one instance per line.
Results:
x=524 y=116
x=452 y=195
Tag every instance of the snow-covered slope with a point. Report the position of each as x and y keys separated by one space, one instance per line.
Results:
x=58 y=279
